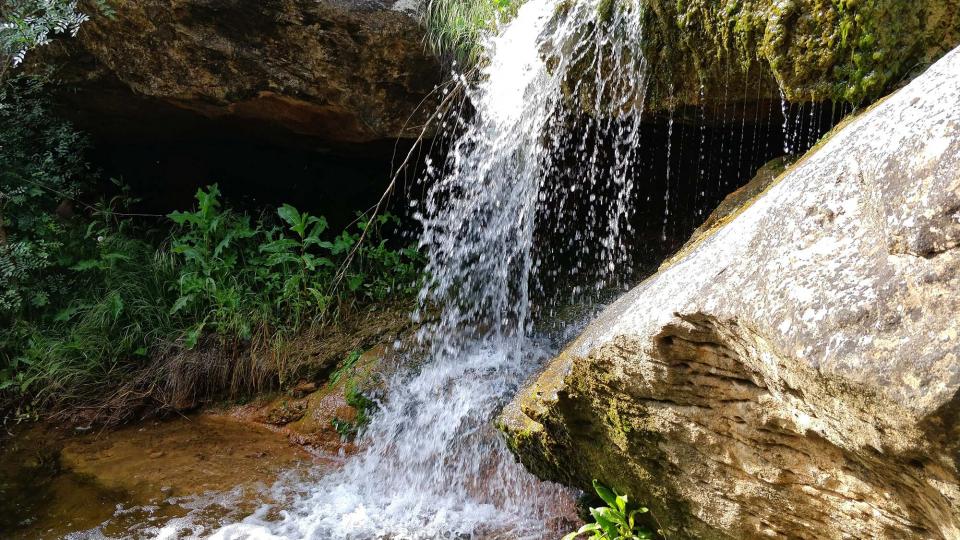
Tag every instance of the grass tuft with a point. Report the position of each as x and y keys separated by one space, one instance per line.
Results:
x=456 y=28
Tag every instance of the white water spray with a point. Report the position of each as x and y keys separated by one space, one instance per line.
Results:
x=432 y=465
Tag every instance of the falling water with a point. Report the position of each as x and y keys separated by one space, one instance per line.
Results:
x=432 y=465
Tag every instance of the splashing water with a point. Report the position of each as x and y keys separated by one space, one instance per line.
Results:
x=432 y=465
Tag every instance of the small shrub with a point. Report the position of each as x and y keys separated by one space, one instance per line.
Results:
x=617 y=520
x=26 y=24
x=216 y=249
x=42 y=168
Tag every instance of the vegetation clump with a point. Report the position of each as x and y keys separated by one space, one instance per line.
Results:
x=455 y=29
x=102 y=312
x=26 y=24
x=616 y=521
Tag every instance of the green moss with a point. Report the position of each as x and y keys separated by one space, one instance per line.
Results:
x=814 y=50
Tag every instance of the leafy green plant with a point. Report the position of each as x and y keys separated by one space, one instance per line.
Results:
x=217 y=253
x=617 y=520
x=26 y=24
x=299 y=263
x=379 y=270
x=42 y=168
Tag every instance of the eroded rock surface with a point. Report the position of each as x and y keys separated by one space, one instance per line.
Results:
x=795 y=374
x=343 y=72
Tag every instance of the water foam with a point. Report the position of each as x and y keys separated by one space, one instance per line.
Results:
x=432 y=465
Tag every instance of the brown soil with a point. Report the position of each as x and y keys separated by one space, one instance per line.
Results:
x=54 y=483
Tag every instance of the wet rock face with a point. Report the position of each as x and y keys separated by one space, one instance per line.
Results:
x=752 y=52
x=815 y=50
x=341 y=71
x=796 y=371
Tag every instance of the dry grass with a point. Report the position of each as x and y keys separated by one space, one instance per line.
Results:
x=182 y=379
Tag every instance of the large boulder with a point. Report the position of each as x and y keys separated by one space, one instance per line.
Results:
x=795 y=372
x=340 y=71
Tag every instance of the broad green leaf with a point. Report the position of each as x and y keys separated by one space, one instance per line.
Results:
x=193 y=335
x=116 y=257
x=589 y=527
x=280 y=245
x=621 y=503
x=605 y=493
x=354 y=282
x=180 y=303
x=613 y=516
x=115 y=304
x=66 y=314
x=179 y=217
x=319 y=243
x=289 y=214
x=608 y=526
x=280 y=258
x=224 y=244
x=320 y=225
x=86 y=264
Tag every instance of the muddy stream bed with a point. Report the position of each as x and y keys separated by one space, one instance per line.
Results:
x=166 y=479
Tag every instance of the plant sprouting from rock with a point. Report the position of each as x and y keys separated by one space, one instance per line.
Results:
x=616 y=521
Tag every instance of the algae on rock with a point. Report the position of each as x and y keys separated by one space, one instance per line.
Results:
x=810 y=50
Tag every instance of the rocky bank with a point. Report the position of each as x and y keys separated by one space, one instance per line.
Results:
x=794 y=372
x=335 y=73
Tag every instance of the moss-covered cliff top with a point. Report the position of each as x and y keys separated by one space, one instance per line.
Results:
x=814 y=50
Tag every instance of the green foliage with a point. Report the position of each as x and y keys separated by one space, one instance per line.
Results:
x=101 y=334
x=91 y=299
x=455 y=28
x=345 y=366
x=26 y=24
x=617 y=520
x=235 y=274
x=42 y=168
x=214 y=248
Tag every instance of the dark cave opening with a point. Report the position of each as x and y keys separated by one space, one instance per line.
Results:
x=252 y=175
x=684 y=163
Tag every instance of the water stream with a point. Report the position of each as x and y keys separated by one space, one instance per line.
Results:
x=432 y=465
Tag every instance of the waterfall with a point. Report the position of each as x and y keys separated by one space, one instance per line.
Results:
x=432 y=465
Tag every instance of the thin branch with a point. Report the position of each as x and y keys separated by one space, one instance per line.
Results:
x=442 y=109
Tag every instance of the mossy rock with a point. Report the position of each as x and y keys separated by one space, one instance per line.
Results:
x=852 y=51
